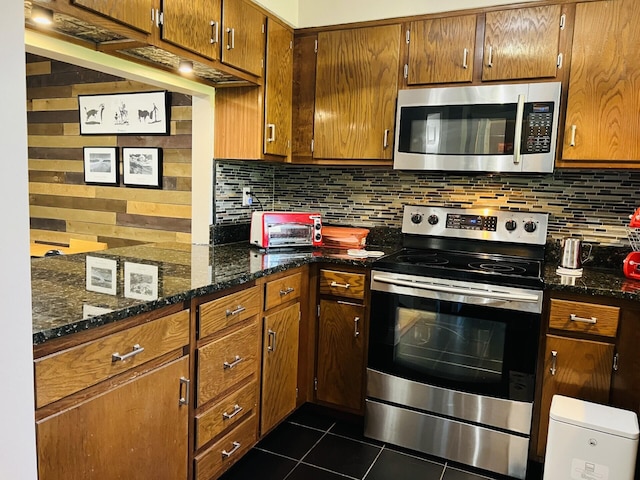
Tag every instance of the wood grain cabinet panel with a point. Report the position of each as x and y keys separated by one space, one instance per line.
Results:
x=226 y=361
x=304 y=85
x=194 y=25
x=356 y=89
x=522 y=43
x=441 y=50
x=278 y=90
x=575 y=368
x=282 y=290
x=134 y=13
x=341 y=354
x=583 y=317
x=243 y=38
x=74 y=369
x=602 y=121
x=228 y=311
x=136 y=430
x=279 y=365
x=342 y=284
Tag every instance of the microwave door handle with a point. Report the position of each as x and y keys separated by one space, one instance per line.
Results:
x=517 y=135
x=457 y=290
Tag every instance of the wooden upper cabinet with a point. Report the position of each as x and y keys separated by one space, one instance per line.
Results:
x=602 y=122
x=194 y=25
x=304 y=91
x=356 y=90
x=134 y=13
x=243 y=36
x=441 y=50
x=278 y=89
x=521 y=43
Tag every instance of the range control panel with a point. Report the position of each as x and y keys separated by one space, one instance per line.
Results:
x=480 y=223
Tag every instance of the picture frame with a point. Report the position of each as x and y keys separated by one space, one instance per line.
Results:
x=142 y=167
x=141 y=281
x=143 y=113
x=101 y=165
x=102 y=275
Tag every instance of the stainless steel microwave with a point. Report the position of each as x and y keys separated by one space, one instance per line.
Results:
x=487 y=128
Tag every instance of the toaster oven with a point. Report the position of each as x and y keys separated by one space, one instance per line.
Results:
x=286 y=229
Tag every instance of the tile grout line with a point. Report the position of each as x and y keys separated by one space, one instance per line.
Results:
x=308 y=451
x=373 y=463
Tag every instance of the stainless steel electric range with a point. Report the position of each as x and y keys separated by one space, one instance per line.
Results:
x=455 y=319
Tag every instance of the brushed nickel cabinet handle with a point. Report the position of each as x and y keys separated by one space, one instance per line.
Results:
x=184 y=399
x=356 y=333
x=116 y=357
x=214 y=31
x=238 y=310
x=572 y=143
x=236 y=410
x=385 y=141
x=235 y=362
x=465 y=55
x=236 y=446
x=574 y=318
x=616 y=361
x=271 y=344
x=554 y=360
x=287 y=291
x=490 y=59
x=341 y=285
x=271 y=129
x=231 y=38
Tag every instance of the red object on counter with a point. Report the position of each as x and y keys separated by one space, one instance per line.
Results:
x=635 y=219
x=631 y=266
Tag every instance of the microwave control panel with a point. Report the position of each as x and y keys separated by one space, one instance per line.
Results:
x=537 y=128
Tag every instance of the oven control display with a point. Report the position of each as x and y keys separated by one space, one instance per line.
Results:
x=472 y=222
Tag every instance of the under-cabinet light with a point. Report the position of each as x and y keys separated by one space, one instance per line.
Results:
x=185 y=66
x=41 y=16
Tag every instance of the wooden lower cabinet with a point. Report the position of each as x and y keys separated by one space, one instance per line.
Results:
x=341 y=353
x=136 y=430
x=279 y=365
x=575 y=368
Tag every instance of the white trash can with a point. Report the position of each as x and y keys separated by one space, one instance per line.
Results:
x=588 y=441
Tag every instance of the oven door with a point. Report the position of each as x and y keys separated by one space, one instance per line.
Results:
x=455 y=335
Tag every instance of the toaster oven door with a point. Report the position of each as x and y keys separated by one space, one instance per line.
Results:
x=289 y=234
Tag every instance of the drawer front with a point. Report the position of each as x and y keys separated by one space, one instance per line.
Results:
x=584 y=317
x=227 y=413
x=282 y=290
x=227 y=451
x=225 y=362
x=227 y=311
x=342 y=284
x=70 y=371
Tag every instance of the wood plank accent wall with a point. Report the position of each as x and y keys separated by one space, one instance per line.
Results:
x=62 y=206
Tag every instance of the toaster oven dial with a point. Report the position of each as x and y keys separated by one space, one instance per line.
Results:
x=416 y=218
x=510 y=225
x=530 y=226
x=433 y=219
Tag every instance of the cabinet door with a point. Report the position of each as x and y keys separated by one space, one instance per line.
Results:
x=279 y=365
x=304 y=91
x=341 y=349
x=134 y=13
x=244 y=36
x=356 y=90
x=136 y=430
x=441 y=50
x=602 y=121
x=194 y=25
x=278 y=89
x=521 y=43
x=580 y=369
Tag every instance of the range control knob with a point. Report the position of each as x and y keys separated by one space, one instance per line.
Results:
x=530 y=226
x=433 y=219
x=510 y=225
x=416 y=218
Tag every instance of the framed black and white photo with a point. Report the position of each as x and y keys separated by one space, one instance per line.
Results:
x=102 y=275
x=142 y=167
x=101 y=165
x=141 y=281
x=144 y=113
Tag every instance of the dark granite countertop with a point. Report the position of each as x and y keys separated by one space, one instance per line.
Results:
x=594 y=281
x=65 y=301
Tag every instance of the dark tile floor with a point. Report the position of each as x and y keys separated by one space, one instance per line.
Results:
x=319 y=444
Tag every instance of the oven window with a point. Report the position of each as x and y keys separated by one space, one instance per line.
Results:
x=449 y=346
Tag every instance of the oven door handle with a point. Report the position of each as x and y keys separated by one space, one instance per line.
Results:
x=523 y=297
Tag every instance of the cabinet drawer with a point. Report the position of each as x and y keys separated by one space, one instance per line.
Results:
x=227 y=451
x=225 y=414
x=342 y=284
x=584 y=317
x=282 y=290
x=226 y=311
x=223 y=363
x=72 y=370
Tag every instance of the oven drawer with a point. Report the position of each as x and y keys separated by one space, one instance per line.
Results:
x=342 y=284
x=583 y=317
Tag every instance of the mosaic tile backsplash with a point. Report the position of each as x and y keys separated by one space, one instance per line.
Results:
x=594 y=205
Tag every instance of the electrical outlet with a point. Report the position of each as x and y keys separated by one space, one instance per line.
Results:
x=246 y=196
